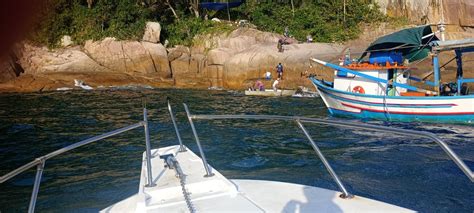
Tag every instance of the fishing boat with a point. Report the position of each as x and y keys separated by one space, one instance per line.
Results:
x=270 y=92
x=384 y=87
x=174 y=179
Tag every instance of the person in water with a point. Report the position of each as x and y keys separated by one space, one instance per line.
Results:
x=275 y=84
x=279 y=68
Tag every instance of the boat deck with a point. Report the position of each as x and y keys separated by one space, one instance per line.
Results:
x=219 y=194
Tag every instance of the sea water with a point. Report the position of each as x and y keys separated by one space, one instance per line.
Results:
x=406 y=171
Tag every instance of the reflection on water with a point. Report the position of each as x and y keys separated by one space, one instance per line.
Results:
x=409 y=172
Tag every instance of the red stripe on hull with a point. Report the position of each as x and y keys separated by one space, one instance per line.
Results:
x=369 y=102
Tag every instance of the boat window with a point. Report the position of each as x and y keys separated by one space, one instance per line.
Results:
x=390 y=74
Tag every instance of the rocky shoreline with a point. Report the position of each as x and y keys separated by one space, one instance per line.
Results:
x=225 y=61
x=228 y=61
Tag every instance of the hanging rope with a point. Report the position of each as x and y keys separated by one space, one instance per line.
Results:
x=385 y=108
x=423 y=47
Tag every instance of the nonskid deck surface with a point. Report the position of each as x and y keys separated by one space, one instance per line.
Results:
x=219 y=194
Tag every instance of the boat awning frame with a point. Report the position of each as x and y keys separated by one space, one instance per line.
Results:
x=465 y=45
x=413 y=43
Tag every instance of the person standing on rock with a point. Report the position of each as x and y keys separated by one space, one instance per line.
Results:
x=280 y=45
x=275 y=83
x=279 y=68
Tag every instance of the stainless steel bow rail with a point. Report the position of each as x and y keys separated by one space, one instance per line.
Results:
x=300 y=120
x=40 y=162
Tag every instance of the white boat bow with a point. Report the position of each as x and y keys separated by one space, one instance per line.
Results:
x=219 y=194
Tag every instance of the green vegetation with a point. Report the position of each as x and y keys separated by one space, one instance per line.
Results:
x=324 y=20
x=122 y=19
x=182 y=20
x=183 y=31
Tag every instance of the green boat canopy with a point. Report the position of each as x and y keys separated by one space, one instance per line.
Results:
x=411 y=42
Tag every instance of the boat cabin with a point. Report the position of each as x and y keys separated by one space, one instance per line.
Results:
x=386 y=66
x=384 y=74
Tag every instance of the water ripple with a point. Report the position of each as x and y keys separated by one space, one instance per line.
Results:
x=406 y=171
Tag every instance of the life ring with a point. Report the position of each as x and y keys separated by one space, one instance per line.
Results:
x=358 y=89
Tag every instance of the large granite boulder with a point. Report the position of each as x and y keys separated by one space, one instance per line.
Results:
x=219 y=56
x=37 y=60
x=152 y=32
x=188 y=69
x=251 y=64
x=159 y=57
x=234 y=60
x=66 y=41
x=459 y=11
x=130 y=56
x=107 y=55
x=456 y=12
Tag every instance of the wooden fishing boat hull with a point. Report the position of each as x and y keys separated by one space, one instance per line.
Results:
x=447 y=109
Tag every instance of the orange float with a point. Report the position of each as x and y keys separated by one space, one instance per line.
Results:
x=358 y=89
x=368 y=66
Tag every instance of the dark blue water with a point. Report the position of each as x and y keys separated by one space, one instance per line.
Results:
x=409 y=172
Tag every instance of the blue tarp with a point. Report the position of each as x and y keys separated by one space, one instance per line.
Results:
x=220 y=5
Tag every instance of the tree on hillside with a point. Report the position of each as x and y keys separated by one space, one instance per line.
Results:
x=324 y=20
x=167 y=2
x=194 y=7
x=89 y=3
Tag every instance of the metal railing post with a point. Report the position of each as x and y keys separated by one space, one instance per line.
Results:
x=203 y=157
x=34 y=193
x=181 y=147
x=40 y=162
x=345 y=194
x=148 y=149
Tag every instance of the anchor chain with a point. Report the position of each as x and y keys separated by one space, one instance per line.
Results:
x=174 y=164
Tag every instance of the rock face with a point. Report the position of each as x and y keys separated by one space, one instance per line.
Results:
x=8 y=72
x=40 y=60
x=464 y=9
x=236 y=60
x=231 y=61
x=152 y=32
x=107 y=62
x=129 y=56
x=252 y=63
x=108 y=55
x=456 y=12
